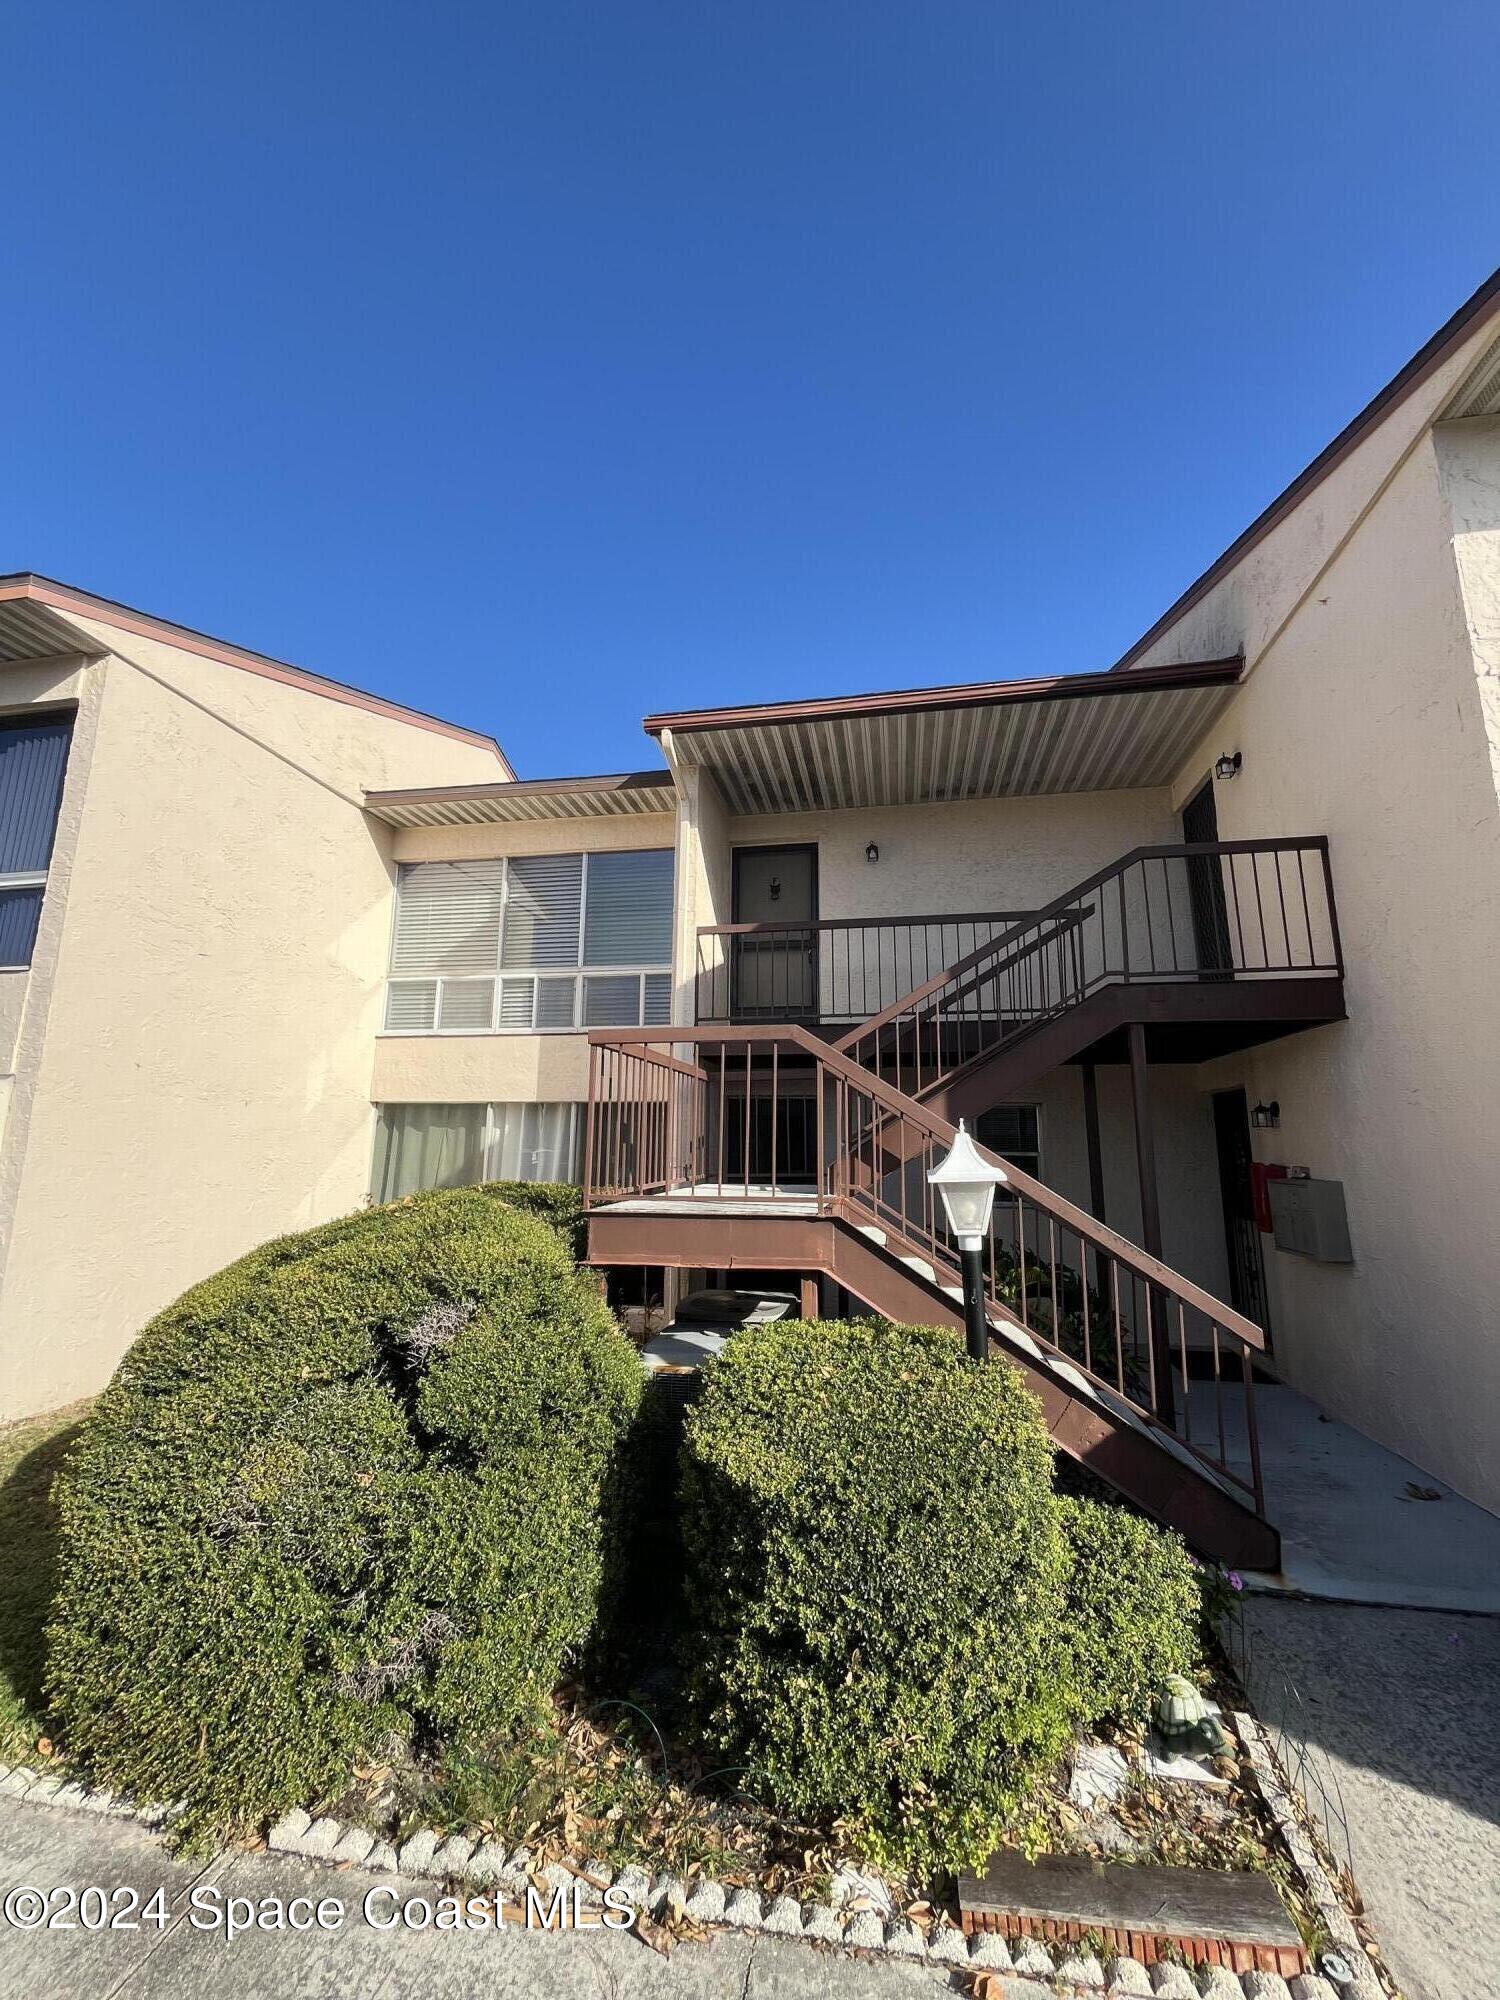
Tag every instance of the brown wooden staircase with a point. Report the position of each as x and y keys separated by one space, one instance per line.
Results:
x=761 y=1146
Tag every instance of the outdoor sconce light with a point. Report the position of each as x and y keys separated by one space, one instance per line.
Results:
x=1267 y=1114
x=872 y=852
x=1228 y=765
x=967 y=1184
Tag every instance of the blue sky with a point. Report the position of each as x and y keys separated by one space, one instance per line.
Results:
x=542 y=365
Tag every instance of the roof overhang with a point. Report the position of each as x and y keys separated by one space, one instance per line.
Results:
x=626 y=792
x=39 y=619
x=921 y=746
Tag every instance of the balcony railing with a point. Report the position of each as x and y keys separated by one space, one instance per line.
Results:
x=840 y=969
x=763 y=1112
x=1206 y=913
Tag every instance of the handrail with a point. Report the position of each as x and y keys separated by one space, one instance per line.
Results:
x=836 y=969
x=1166 y=913
x=872 y=923
x=791 y=1035
x=1102 y=1304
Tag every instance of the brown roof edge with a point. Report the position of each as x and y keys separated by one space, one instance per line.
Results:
x=617 y=781
x=1469 y=317
x=84 y=603
x=971 y=694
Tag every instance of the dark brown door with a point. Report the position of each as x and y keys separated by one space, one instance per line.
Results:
x=775 y=971
x=1205 y=881
x=1247 y=1275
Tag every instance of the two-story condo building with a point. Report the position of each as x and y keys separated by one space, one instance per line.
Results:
x=1204 y=948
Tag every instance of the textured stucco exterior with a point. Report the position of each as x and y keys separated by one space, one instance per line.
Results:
x=1369 y=714
x=192 y=1055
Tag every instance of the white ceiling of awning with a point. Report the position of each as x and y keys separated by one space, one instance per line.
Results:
x=1101 y=742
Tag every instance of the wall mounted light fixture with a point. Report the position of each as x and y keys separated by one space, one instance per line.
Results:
x=1228 y=766
x=1267 y=1115
x=872 y=852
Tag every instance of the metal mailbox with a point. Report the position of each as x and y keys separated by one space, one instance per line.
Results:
x=1309 y=1217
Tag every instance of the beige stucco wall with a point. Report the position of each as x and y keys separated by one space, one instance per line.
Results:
x=1365 y=717
x=981 y=854
x=193 y=1060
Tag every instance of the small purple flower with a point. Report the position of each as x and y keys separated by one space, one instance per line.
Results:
x=1236 y=1581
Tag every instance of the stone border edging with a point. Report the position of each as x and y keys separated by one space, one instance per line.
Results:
x=1274 y=1789
x=486 y=1865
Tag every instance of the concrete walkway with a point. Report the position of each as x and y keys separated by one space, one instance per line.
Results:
x=1400 y=1715
x=1352 y=1526
x=45 y=1848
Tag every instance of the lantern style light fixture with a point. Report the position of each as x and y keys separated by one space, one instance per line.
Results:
x=1228 y=766
x=872 y=852
x=967 y=1182
x=1267 y=1115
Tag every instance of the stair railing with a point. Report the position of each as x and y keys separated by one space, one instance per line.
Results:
x=772 y=1114
x=1200 y=912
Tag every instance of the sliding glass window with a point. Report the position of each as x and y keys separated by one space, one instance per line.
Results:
x=537 y=944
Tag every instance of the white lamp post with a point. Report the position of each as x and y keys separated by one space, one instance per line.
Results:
x=967 y=1182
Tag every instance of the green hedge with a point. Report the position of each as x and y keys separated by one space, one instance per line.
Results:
x=875 y=1576
x=1132 y=1609
x=557 y=1202
x=359 y=1483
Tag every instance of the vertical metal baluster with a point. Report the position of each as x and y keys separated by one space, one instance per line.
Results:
x=775 y=1053
x=1219 y=1395
x=1083 y=1285
x=748 y=1048
x=1312 y=955
x=723 y=1115
x=1052 y=1259
x=1234 y=887
x=1021 y=1257
x=1187 y=1408
x=1150 y=1346
x=1114 y=1279
x=1286 y=936
x=1253 y=1429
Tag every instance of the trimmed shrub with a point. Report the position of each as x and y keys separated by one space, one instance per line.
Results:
x=1132 y=1609
x=875 y=1576
x=557 y=1202
x=357 y=1486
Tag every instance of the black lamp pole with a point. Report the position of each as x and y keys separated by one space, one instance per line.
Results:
x=974 y=1314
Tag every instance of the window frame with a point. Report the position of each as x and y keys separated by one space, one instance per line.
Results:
x=641 y=972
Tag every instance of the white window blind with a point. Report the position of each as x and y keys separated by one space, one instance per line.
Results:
x=629 y=920
x=536 y=944
x=448 y=917
x=543 y=905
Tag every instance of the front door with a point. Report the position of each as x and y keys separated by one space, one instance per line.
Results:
x=1247 y=1274
x=775 y=971
x=1205 y=881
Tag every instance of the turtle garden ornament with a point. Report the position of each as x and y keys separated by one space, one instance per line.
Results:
x=1185 y=1723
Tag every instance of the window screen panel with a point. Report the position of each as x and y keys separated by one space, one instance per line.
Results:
x=426 y=1146
x=517 y=998
x=612 y=1000
x=33 y=756
x=20 y=911
x=658 y=1008
x=409 y=1006
x=544 y=899
x=448 y=917
x=1014 y=1132
x=556 y=1002
x=628 y=920
x=467 y=1004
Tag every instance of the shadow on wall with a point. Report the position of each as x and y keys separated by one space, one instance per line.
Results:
x=28 y=1574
